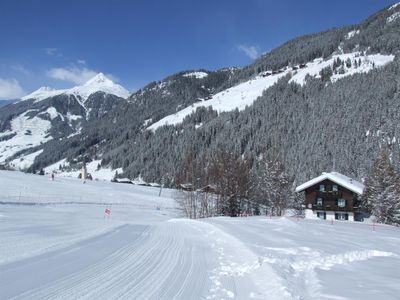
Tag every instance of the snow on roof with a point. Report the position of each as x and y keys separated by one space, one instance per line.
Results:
x=340 y=179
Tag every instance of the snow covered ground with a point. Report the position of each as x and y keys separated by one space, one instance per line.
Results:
x=68 y=249
x=97 y=173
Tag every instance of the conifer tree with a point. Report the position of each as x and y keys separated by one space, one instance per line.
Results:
x=381 y=196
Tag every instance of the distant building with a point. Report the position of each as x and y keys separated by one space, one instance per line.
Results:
x=84 y=172
x=186 y=187
x=333 y=196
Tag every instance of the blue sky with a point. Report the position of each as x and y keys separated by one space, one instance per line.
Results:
x=63 y=43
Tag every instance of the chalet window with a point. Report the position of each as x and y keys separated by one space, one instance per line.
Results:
x=321 y=215
x=341 y=202
x=334 y=188
x=322 y=188
x=319 y=201
x=341 y=216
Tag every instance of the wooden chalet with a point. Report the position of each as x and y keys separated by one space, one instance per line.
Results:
x=332 y=196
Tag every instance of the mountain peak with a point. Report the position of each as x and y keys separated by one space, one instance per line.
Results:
x=45 y=89
x=42 y=92
x=100 y=78
x=100 y=82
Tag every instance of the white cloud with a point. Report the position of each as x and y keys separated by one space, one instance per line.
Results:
x=72 y=74
x=82 y=61
x=10 y=89
x=51 y=51
x=251 y=51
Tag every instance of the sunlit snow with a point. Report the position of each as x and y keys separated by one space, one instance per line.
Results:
x=58 y=243
x=198 y=75
x=29 y=132
x=244 y=94
x=98 y=83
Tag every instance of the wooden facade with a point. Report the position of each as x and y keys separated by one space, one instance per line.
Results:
x=329 y=197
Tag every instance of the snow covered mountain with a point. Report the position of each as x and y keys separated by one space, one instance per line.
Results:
x=49 y=115
x=99 y=83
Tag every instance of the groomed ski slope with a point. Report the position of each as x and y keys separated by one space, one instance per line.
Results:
x=59 y=249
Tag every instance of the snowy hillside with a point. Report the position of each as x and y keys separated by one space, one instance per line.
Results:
x=236 y=97
x=244 y=94
x=48 y=114
x=25 y=133
x=357 y=63
x=98 y=83
x=70 y=249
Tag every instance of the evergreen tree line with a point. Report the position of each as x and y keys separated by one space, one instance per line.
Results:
x=381 y=196
x=317 y=127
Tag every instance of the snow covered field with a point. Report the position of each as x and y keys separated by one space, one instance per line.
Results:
x=67 y=249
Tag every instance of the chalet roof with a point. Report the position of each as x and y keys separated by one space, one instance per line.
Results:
x=340 y=179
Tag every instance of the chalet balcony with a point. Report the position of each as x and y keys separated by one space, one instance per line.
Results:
x=329 y=194
x=330 y=207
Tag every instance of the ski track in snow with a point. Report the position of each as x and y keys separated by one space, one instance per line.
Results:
x=71 y=251
x=293 y=251
x=136 y=270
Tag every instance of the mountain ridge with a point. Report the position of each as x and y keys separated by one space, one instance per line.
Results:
x=97 y=83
